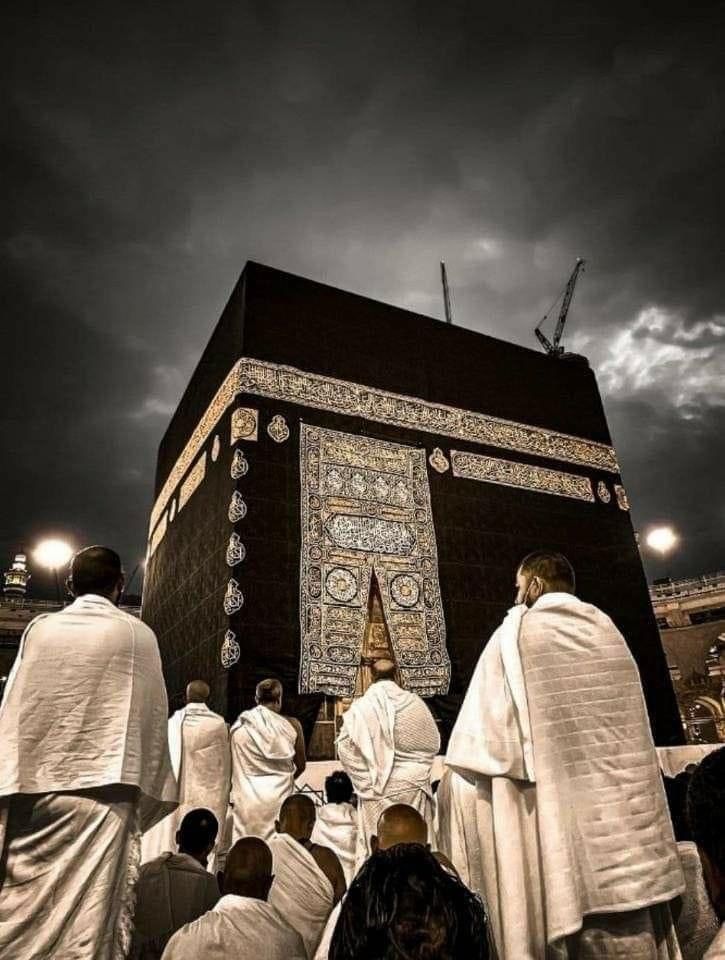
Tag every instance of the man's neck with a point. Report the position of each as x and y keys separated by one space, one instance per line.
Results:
x=201 y=860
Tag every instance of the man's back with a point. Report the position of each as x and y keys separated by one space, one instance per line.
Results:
x=172 y=890
x=237 y=927
x=263 y=766
x=85 y=705
x=598 y=785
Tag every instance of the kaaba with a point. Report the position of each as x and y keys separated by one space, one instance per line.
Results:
x=344 y=480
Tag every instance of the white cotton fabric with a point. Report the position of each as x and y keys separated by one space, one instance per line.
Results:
x=301 y=892
x=455 y=827
x=387 y=745
x=717 y=947
x=263 y=770
x=336 y=828
x=237 y=927
x=68 y=884
x=85 y=706
x=570 y=811
x=172 y=890
x=201 y=760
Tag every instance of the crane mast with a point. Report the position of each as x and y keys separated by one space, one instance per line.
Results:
x=553 y=347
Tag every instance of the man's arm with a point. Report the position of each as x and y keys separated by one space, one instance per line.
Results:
x=328 y=862
x=300 y=756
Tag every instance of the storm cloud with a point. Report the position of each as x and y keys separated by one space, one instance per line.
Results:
x=151 y=150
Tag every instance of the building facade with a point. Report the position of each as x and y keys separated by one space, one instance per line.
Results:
x=691 y=619
x=343 y=477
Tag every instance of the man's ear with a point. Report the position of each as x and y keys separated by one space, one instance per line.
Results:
x=276 y=826
x=177 y=838
x=69 y=585
x=374 y=843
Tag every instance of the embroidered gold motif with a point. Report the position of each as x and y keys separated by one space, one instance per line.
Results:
x=288 y=384
x=438 y=460
x=245 y=424
x=472 y=466
x=277 y=429
x=621 y=495
x=365 y=508
x=190 y=485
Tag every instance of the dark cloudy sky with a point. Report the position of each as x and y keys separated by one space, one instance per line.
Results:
x=150 y=150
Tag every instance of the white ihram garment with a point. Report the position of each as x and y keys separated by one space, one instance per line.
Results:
x=571 y=814
x=84 y=767
x=301 y=892
x=336 y=828
x=263 y=770
x=387 y=746
x=237 y=927
x=200 y=757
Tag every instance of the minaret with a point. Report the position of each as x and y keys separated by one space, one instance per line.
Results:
x=17 y=577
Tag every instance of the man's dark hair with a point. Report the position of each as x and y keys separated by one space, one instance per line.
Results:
x=403 y=904
x=198 y=830
x=553 y=568
x=95 y=570
x=268 y=691
x=338 y=787
x=706 y=807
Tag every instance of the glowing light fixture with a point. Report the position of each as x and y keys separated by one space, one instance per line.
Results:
x=662 y=539
x=52 y=554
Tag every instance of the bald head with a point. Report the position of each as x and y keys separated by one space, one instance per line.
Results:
x=383 y=670
x=248 y=871
x=197 y=692
x=399 y=824
x=297 y=817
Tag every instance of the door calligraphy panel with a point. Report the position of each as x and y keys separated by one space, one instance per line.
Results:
x=365 y=508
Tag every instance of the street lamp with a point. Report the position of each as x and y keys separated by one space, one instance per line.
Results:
x=53 y=554
x=662 y=539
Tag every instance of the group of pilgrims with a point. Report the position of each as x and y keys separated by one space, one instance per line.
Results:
x=128 y=834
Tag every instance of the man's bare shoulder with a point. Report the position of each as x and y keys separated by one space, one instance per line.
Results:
x=294 y=722
x=328 y=861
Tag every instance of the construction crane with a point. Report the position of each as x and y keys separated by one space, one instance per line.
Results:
x=553 y=347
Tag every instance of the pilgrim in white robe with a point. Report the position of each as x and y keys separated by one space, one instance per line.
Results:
x=576 y=844
x=200 y=758
x=301 y=892
x=172 y=890
x=263 y=770
x=237 y=927
x=455 y=826
x=387 y=745
x=84 y=769
x=336 y=828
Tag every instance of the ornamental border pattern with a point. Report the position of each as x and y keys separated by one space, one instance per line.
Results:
x=510 y=473
x=348 y=477
x=288 y=384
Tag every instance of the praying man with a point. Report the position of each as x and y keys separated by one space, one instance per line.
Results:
x=387 y=745
x=577 y=853
x=308 y=878
x=200 y=757
x=268 y=753
x=84 y=769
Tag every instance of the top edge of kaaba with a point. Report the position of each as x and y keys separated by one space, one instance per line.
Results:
x=286 y=319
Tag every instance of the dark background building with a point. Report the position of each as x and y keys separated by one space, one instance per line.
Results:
x=482 y=529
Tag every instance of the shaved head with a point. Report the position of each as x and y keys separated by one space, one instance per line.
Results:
x=400 y=824
x=248 y=871
x=297 y=817
x=383 y=670
x=197 y=692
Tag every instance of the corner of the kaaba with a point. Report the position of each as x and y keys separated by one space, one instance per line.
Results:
x=223 y=584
